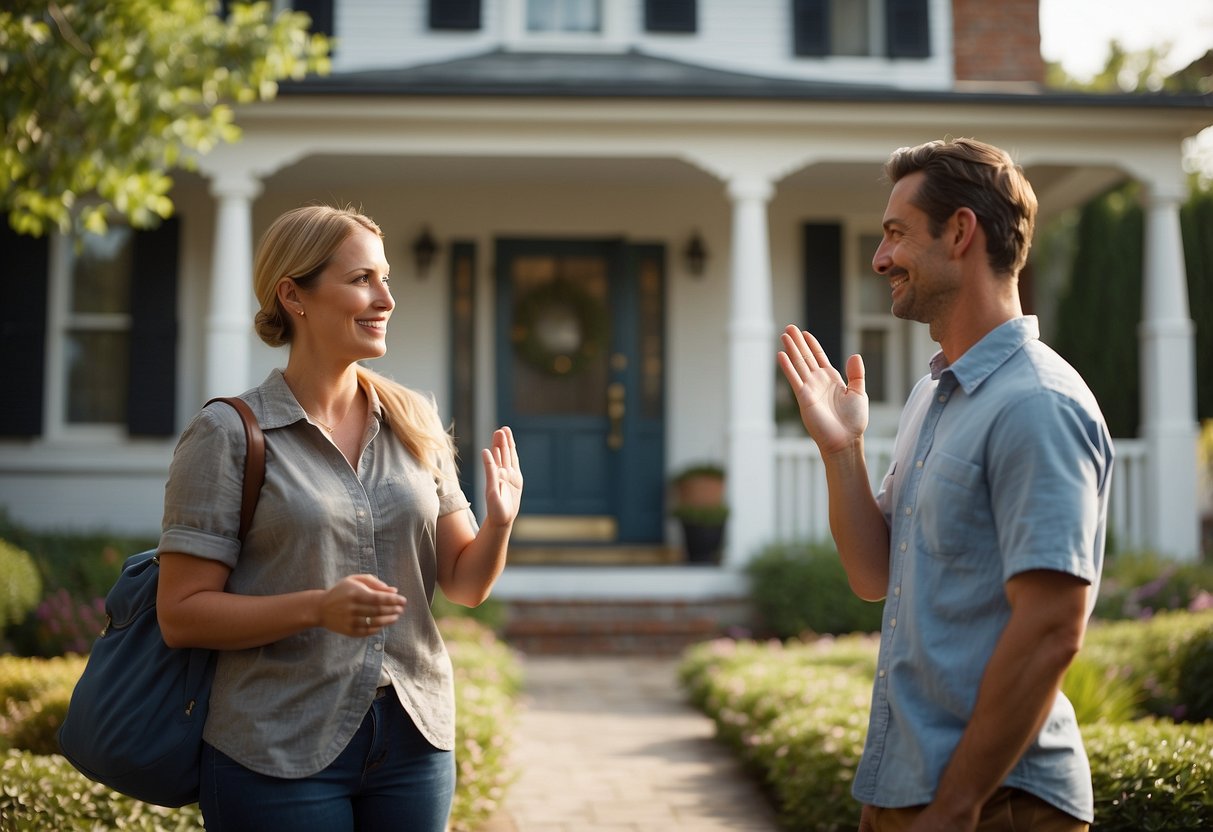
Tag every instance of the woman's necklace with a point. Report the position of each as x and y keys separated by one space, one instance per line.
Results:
x=327 y=427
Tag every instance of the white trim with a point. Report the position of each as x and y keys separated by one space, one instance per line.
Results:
x=620 y=582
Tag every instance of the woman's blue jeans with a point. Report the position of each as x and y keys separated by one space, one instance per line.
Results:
x=388 y=778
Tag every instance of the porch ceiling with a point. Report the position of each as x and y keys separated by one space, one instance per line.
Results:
x=1058 y=187
x=330 y=171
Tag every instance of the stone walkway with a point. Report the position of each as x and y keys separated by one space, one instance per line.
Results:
x=607 y=744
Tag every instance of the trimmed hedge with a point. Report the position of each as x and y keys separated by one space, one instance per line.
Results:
x=41 y=790
x=801 y=589
x=21 y=587
x=1149 y=654
x=796 y=714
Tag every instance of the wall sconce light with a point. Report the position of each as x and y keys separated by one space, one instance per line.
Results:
x=695 y=255
x=424 y=249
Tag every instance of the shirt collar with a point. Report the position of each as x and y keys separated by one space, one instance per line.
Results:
x=981 y=360
x=280 y=408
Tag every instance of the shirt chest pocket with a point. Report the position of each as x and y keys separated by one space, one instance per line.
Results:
x=953 y=507
x=406 y=505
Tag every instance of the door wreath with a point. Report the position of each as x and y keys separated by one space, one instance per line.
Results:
x=559 y=328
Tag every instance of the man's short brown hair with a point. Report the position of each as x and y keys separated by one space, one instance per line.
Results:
x=966 y=173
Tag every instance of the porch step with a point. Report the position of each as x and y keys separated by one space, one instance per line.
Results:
x=658 y=628
x=582 y=555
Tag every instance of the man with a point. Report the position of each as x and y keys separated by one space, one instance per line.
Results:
x=986 y=537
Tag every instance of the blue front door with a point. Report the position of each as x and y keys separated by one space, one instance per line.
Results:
x=580 y=379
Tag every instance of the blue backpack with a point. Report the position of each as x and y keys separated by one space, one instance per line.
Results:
x=136 y=715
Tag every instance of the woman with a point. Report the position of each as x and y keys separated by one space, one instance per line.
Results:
x=332 y=707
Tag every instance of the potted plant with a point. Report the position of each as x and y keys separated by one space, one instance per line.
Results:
x=700 y=484
x=700 y=508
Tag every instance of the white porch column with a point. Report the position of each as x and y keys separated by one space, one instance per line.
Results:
x=751 y=356
x=229 y=324
x=1168 y=380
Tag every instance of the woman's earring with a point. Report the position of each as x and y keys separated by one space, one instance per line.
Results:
x=301 y=312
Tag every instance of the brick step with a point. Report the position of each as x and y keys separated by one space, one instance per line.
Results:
x=619 y=627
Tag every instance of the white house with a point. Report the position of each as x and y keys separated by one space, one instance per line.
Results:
x=560 y=156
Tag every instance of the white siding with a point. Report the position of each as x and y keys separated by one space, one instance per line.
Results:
x=751 y=37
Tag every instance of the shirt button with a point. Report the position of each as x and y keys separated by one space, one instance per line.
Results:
x=918 y=464
x=881 y=674
x=361 y=515
x=892 y=622
x=897 y=591
x=908 y=511
x=379 y=647
x=903 y=546
x=943 y=397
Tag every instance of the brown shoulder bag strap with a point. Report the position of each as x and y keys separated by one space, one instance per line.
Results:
x=254 y=460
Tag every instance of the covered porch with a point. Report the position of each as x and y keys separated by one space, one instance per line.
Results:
x=748 y=176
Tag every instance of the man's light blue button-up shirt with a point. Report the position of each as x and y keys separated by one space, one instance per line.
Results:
x=1001 y=465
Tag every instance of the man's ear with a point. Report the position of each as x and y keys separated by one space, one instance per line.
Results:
x=962 y=230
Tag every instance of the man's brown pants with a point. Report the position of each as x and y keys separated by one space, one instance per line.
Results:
x=1009 y=810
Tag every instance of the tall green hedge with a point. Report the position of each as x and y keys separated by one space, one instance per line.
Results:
x=1196 y=221
x=1098 y=315
x=1099 y=312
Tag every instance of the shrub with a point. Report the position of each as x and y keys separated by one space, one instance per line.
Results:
x=1100 y=694
x=86 y=565
x=1151 y=774
x=1147 y=655
x=65 y=624
x=800 y=588
x=79 y=567
x=488 y=679
x=45 y=792
x=797 y=714
x=33 y=701
x=491 y=613
x=1140 y=584
x=42 y=791
x=1196 y=677
x=21 y=587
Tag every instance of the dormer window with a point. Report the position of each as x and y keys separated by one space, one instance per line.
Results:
x=564 y=25
x=563 y=16
x=861 y=28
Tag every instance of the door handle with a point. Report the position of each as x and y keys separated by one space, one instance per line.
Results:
x=616 y=408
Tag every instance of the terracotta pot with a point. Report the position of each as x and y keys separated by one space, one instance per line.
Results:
x=700 y=491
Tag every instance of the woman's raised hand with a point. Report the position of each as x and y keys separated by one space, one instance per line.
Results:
x=834 y=411
x=502 y=478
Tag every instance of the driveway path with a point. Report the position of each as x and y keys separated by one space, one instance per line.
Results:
x=607 y=744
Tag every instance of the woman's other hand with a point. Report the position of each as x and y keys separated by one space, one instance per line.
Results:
x=502 y=479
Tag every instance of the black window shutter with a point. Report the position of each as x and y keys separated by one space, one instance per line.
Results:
x=152 y=392
x=321 y=12
x=23 y=269
x=463 y=15
x=462 y=265
x=811 y=27
x=670 y=15
x=823 y=287
x=223 y=10
x=908 y=27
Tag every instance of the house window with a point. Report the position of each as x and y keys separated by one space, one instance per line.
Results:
x=563 y=16
x=565 y=26
x=91 y=317
x=853 y=27
x=861 y=28
x=883 y=340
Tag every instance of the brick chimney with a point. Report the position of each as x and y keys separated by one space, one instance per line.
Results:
x=997 y=42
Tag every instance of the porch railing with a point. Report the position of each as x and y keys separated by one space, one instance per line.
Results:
x=802 y=510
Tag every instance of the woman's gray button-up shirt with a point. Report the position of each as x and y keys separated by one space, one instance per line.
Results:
x=287 y=709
